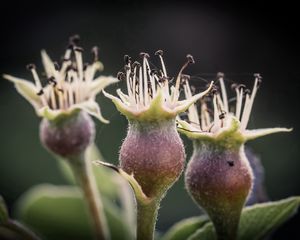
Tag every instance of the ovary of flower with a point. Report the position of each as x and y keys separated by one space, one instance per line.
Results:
x=69 y=87
x=212 y=123
x=149 y=95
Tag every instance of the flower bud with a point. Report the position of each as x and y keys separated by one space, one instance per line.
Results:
x=69 y=135
x=219 y=177
x=154 y=153
x=219 y=180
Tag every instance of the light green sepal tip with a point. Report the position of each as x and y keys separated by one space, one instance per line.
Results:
x=90 y=107
x=155 y=111
x=136 y=187
x=256 y=133
x=229 y=137
x=26 y=89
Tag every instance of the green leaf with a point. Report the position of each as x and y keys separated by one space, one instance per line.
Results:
x=183 y=229
x=60 y=213
x=207 y=232
x=257 y=221
x=3 y=211
x=261 y=219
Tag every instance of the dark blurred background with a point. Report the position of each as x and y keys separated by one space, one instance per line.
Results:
x=238 y=39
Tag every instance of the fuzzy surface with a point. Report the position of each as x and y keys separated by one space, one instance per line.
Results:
x=154 y=153
x=69 y=136
x=219 y=180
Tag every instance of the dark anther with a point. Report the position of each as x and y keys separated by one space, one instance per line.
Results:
x=257 y=75
x=144 y=55
x=60 y=90
x=163 y=79
x=234 y=86
x=220 y=75
x=135 y=64
x=120 y=76
x=41 y=92
x=241 y=86
x=127 y=59
x=78 y=49
x=52 y=80
x=30 y=66
x=153 y=72
x=95 y=51
x=259 y=78
x=247 y=91
x=213 y=90
x=126 y=68
x=70 y=46
x=85 y=66
x=159 y=52
x=71 y=67
x=56 y=66
x=184 y=78
x=66 y=59
x=222 y=115
x=238 y=86
x=190 y=59
x=230 y=163
x=74 y=39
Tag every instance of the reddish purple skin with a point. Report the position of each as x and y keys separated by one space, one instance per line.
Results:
x=154 y=153
x=219 y=180
x=68 y=136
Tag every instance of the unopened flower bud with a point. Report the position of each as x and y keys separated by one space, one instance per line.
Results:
x=154 y=153
x=68 y=136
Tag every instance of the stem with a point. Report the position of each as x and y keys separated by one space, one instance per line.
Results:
x=227 y=229
x=21 y=230
x=146 y=219
x=82 y=170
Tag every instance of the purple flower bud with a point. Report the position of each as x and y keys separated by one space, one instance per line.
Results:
x=154 y=154
x=219 y=180
x=69 y=135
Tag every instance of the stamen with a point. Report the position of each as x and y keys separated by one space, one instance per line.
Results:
x=121 y=76
x=41 y=92
x=140 y=82
x=248 y=107
x=216 y=113
x=190 y=60
x=56 y=66
x=192 y=111
x=160 y=53
x=220 y=77
x=37 y=81
x=95 y=51
x=145 y=76
x=127 y=59
x=75 y=39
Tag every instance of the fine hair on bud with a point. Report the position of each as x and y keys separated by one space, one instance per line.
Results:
x=154 y=153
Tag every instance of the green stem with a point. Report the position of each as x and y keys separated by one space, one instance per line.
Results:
x=82 y=170
x=227 y=225
x=21 y=230
x=146 y=219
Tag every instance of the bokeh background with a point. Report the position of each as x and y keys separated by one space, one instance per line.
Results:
x=238 y=39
